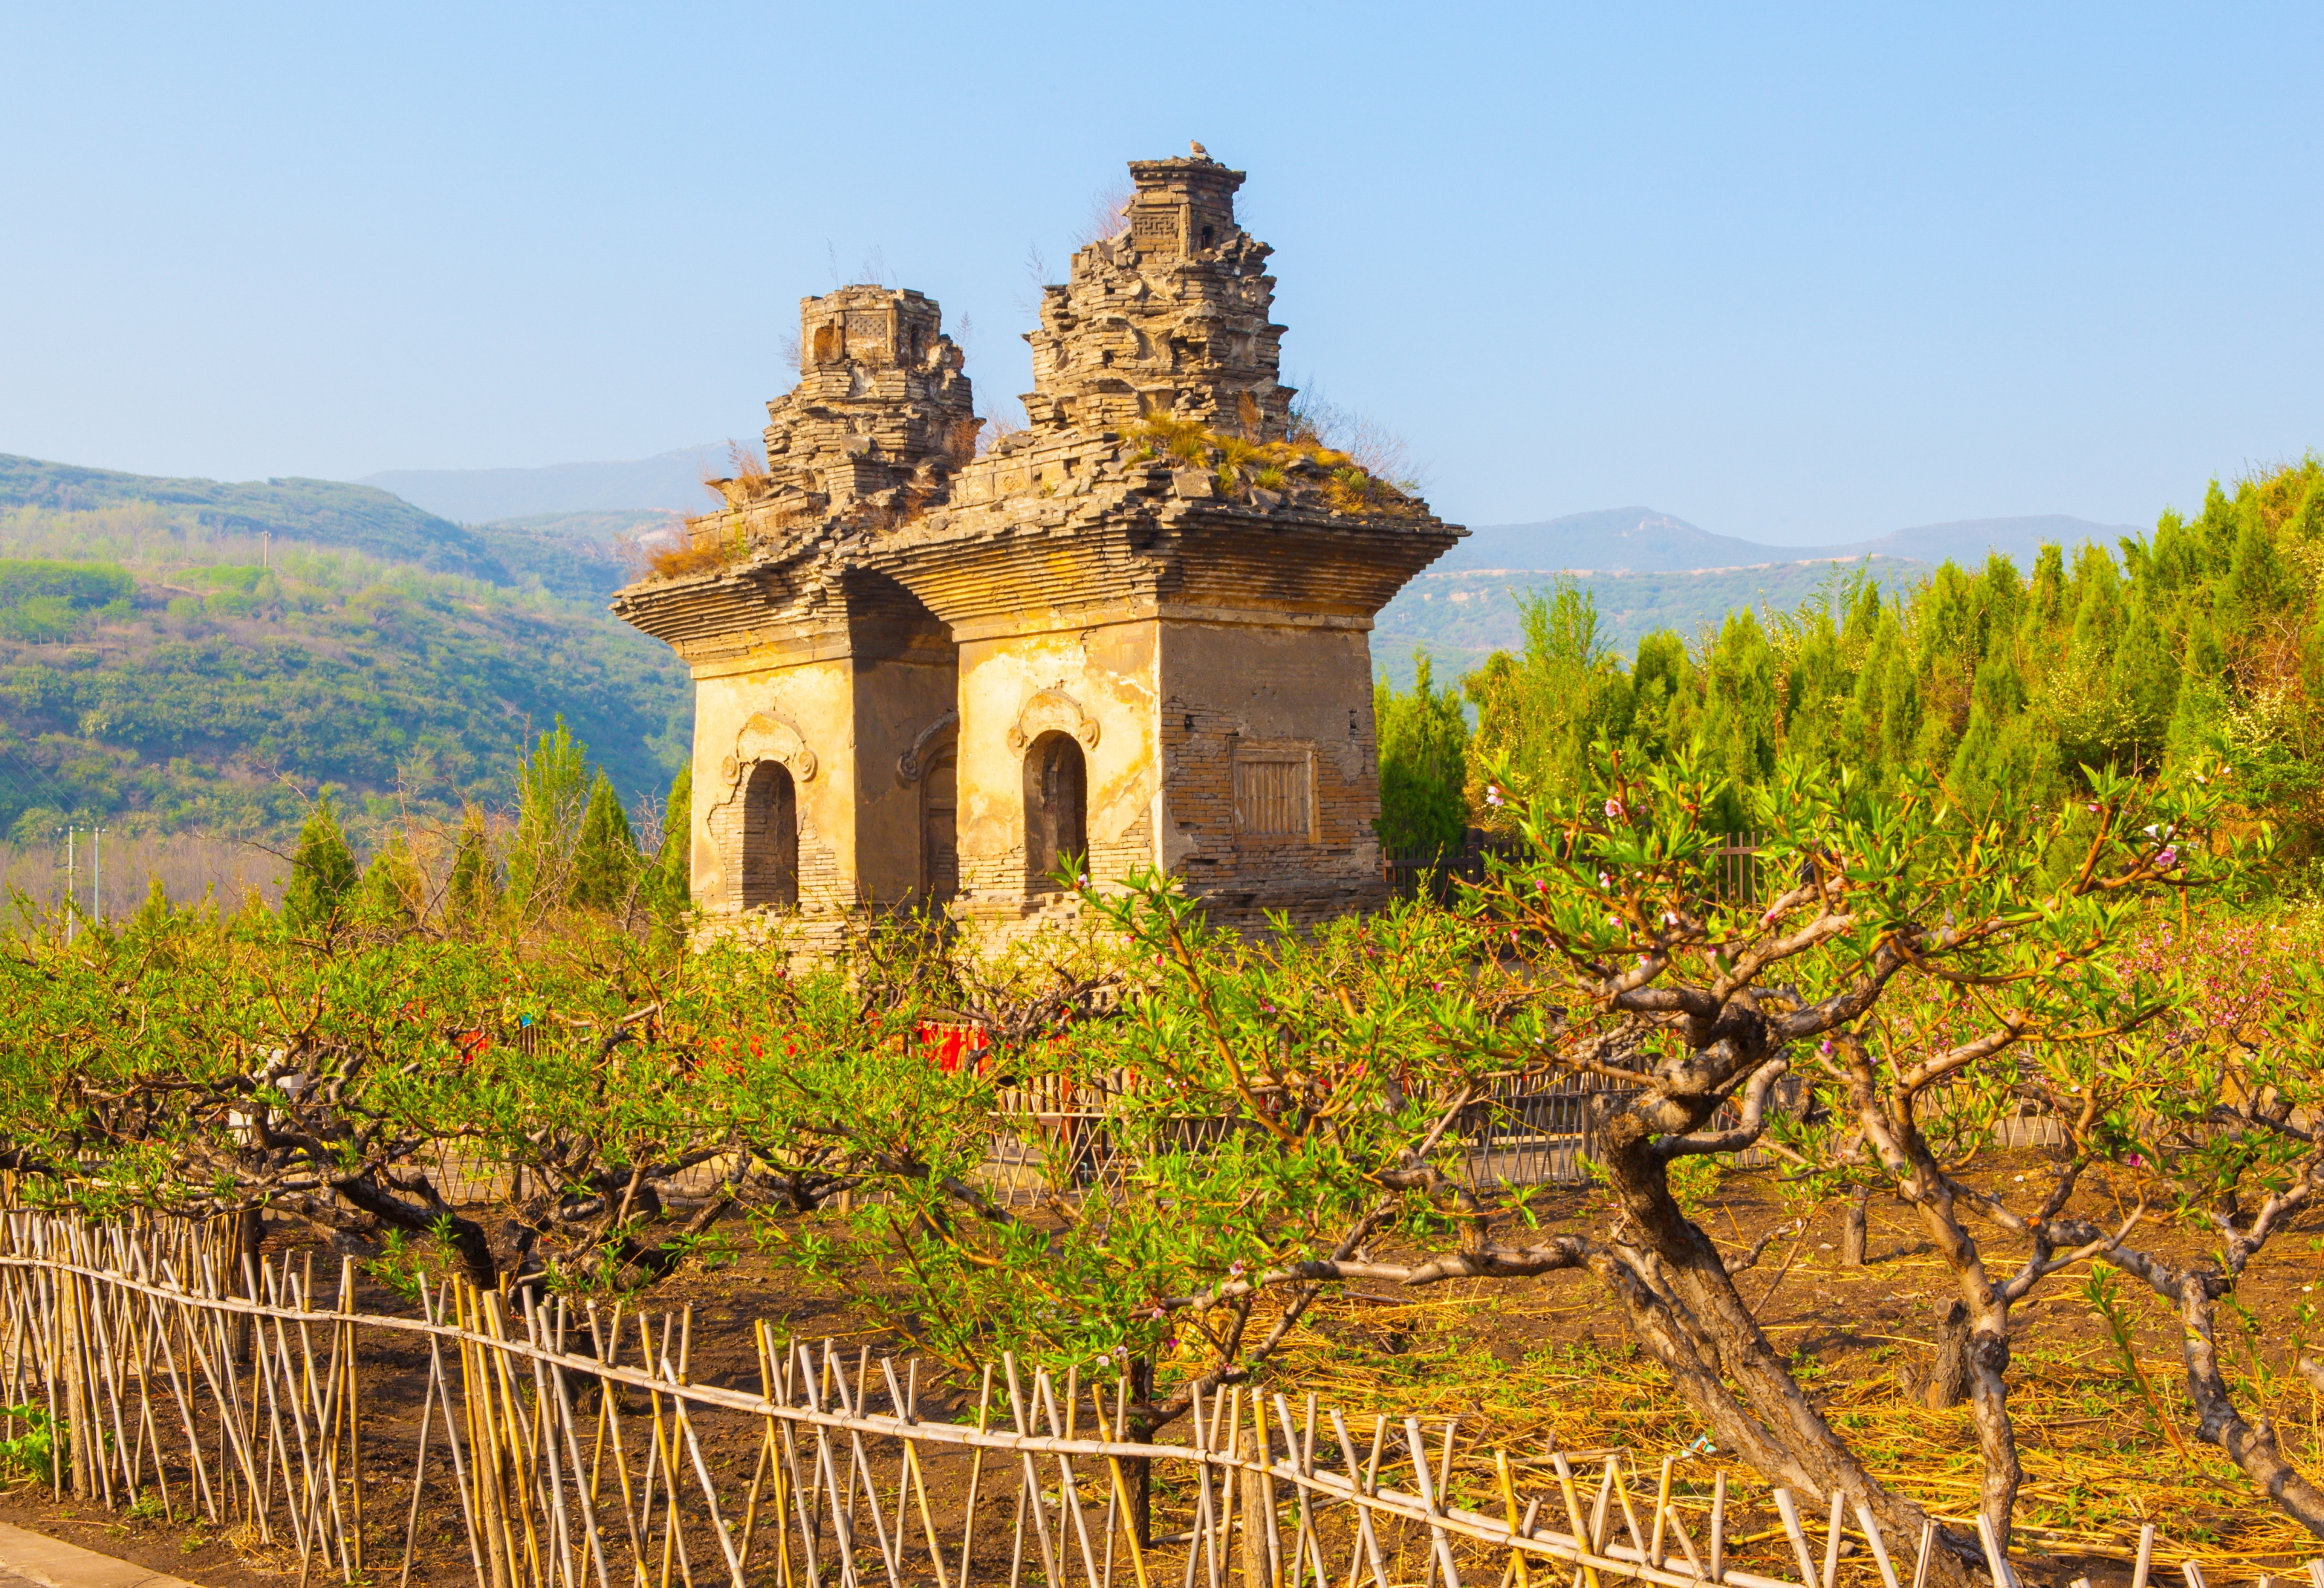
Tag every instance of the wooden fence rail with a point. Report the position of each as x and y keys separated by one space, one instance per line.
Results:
x=550 y=1446
x=532 y=1445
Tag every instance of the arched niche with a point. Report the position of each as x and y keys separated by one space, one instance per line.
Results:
x=1056 y=805
x=770 y=813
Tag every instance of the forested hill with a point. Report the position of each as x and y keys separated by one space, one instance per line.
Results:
x=165 y=666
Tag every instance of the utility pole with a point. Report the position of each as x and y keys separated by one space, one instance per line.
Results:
x=97 y=875
x=72 y=881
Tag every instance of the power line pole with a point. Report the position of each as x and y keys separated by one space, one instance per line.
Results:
x=72 y=878
x=97 y=871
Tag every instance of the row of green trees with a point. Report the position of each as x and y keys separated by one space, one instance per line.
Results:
x=2207 y=634
x=571 y=846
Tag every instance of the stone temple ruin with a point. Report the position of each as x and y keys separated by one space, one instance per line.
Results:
x=1136 y=630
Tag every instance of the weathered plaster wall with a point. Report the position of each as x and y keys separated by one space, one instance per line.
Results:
x=813 y=700
x=897 y=701
x=1276 y=693
x=1097 y=683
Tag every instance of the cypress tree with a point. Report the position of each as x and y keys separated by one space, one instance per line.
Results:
x=605 y=859
x=473 y=893
x=391 y=890
x=1424 y=745
x=322 y=870
x=668 y=886
x=550 y=798
x=156 y=913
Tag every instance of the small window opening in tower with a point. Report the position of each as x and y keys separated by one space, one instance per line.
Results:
x=1056 y=806
x=770 y=838
x=940 y=830
x=1206 y=236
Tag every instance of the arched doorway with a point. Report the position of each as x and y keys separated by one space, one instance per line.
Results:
x=770 y=837
x=1056 y=806
x=940 y=831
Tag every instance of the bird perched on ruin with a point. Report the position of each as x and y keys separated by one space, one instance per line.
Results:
x=1200 y=153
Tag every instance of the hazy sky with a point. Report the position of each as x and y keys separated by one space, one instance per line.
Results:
x=1794 y=275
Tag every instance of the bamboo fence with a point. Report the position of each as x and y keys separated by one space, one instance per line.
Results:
x=555 y=1447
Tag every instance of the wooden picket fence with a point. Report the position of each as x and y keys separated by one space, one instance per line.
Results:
x=555 y=1447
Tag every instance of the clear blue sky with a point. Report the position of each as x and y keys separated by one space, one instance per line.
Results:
x=1795 y=274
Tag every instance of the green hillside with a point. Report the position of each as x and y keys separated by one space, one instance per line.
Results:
x=161 y=670
x=324 y=513
x=576 y=555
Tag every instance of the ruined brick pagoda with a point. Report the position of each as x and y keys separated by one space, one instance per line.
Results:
x=1136 y=629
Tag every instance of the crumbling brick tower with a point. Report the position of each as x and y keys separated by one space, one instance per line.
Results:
x=1135 y=630
x=814 y=671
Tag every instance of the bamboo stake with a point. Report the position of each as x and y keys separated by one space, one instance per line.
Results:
x=354 y=1404
x=1509 y=1508
x=1831 y=1538
x=860 y=1466
x=1031 y=1491
x=810 y=1535
x=1198 y=1537
x=710 y=1490
x=1120 y=1493
x=1306 y=1544
x=827 y=1490
x=431 y=1308
x=1581 y=1531
x=1879 y=1546
x=1430 y=1495
x=765 y=1460
x=1791 y=1515
x=919 y=1483
x=975 y=1472
x=553 y=1466
x=594 y=1546
x=1046 y=1392
x=1360 y=1483
x=1719 y=1533
x=609 y=1350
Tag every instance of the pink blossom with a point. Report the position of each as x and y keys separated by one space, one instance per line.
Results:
x=1613 y=810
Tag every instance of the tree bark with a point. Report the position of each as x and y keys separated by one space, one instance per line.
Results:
x=1708 y=1334
x=1948 y=1374
x=2251 y=1445
x=1852 y=1233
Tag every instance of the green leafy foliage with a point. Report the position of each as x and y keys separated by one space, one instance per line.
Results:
x=33 y=1451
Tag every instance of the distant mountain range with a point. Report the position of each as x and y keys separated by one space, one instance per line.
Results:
x=1641 y=540
x=574 y=554
x=1648 y=570
x=671 y=481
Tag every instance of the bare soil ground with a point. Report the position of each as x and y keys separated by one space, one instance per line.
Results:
x=1521 y=1364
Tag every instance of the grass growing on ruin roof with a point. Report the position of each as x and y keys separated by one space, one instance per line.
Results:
x=1238 y=464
